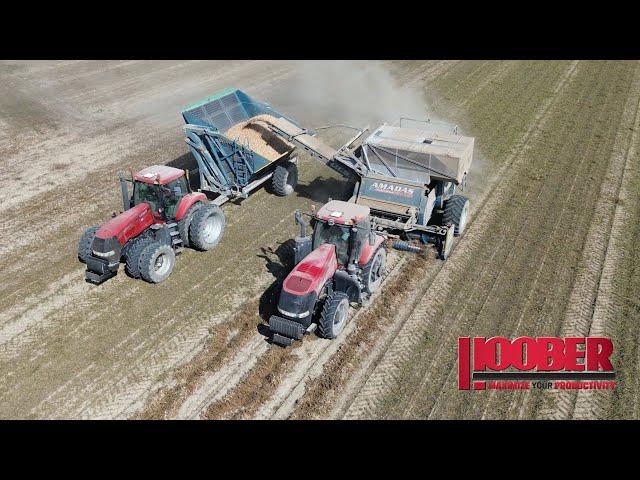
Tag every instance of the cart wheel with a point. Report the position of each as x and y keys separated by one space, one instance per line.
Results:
x=456 y=211
x=447 y=245
x=285 y=179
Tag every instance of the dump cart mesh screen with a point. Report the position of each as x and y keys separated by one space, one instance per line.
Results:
x=222 y=113
x=405 y=164
x=228 y=110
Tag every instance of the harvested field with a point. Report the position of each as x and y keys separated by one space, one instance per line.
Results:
x=552 y=248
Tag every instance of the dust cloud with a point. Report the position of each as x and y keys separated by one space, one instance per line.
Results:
x=358 y=93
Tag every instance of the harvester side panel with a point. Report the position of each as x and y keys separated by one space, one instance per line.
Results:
x=419 y=155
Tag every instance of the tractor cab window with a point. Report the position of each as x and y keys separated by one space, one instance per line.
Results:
x=165 y=197
x=146 y=193
x=172 y=194
x=338 y=235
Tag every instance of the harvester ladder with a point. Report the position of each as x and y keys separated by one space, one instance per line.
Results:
x=240 y=158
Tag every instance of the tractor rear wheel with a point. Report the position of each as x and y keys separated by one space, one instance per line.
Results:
x=156 y=262
x=132 y=251
x=334 y=315
x=285 y=179
x=207 y=227
x=456 y=211
x=86 y=242
x=185 y=222
x=373 y=271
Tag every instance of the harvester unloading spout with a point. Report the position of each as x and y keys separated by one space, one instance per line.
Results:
x=341 y=160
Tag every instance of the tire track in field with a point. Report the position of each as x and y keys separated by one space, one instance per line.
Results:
x=593 y=305
x=259 y=370
x=318 y=392
x=310 y=361
x=347 y=370
x=74 y=289
x=507 y=311
x=21 y=314
x=173 y=343
x=388 y=369
x=519 y=249
x=543 y=324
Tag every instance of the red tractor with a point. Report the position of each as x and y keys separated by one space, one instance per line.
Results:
x=341 y=262
x=162 y=217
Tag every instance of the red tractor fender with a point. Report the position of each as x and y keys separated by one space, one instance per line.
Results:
x=128 y=224
x=313 y=272
x=187 y=202
x=369 y=250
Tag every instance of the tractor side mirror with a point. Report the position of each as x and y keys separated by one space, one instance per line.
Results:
x=300 y=221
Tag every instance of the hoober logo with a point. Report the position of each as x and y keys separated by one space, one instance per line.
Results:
x=570 y=363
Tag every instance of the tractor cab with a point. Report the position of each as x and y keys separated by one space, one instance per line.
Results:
x=343 y=224
x=160 y=186
x=340 y=263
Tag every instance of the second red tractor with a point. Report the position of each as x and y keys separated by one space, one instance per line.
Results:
x=341 y=262
x=160 y=219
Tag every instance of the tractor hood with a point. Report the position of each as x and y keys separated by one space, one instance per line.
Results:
x=312 y=272
x=128 y=224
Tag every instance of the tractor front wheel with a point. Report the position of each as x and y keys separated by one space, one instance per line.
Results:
x=373 y=271
x=285 y=179
x=156 y=262
x=334 y=315
x=207 y=227
x=132 y=251
x=86 y=243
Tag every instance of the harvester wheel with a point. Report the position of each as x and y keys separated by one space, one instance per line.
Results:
x=285 y=179
x=86 y=241
x=156 y=262
x=207 y=227
x=185 y=222
x=373 y=271
x=456 y=211
x=132 y=252
x=334 y=315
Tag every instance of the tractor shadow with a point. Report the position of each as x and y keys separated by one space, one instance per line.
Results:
x=279 y=267
x=186 y=161
x=321 y=189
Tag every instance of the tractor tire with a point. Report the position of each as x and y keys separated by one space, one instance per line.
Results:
x=456 y=212
x=185 y=222
x=207 y=227
x=285 y=179
x=334 y=315
x=132 y=251
x=373 y=271
x=156 y=262
x=86 y=242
